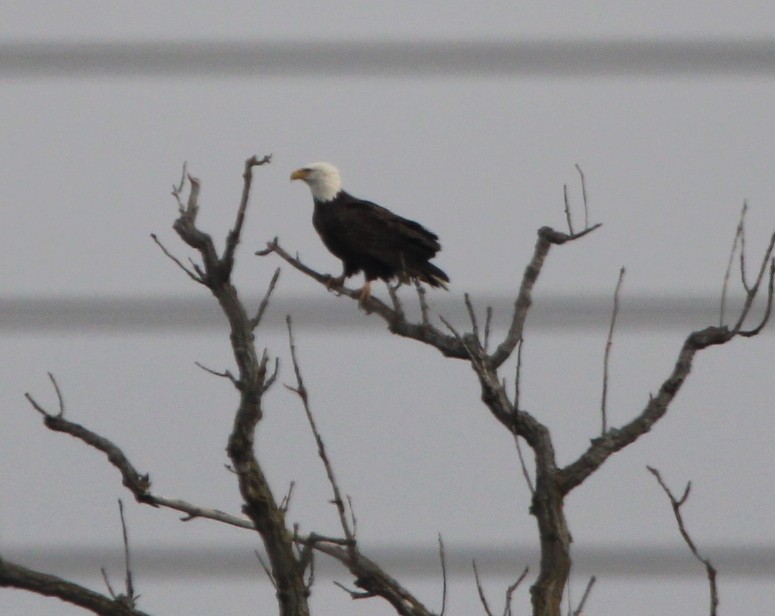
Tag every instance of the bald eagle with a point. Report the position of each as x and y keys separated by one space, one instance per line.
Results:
x=368 y=237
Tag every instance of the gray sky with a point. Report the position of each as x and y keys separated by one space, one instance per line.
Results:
x=85 y=175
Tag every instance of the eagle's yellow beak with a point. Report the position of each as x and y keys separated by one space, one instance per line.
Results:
x=299 y=174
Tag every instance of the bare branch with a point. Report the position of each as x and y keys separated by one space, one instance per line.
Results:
x=373 y=580
x=233 y=238
x=584 y=196
x=259 y=502
x=522 y=464
x=302 y=393
x=226 y=374
x=480 y=590
x=752 y=291
x=580 y=609
x=767 y=310
x=608 y=344
x=353 y=519
x=546 y=238
x=422 y=332
x=727 y=274
x=511 y=590
x=676 y=505
x=16 y=576
x=487 y=324
x=443 y=561
x=616 y=439
x=129 y=586
x=266 y=569
x=355 y=594
x=196 y=277
x=472 y=316
x=518 y=373
x=567 y=208
x=177 y=190
x=139 y=484
x=256 y=320
x=286 y=502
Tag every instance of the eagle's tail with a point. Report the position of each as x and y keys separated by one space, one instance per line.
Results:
x=433 y=275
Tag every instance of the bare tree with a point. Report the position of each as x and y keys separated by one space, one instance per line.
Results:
x=290 y=554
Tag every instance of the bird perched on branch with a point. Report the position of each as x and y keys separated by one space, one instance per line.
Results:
x=368 y=237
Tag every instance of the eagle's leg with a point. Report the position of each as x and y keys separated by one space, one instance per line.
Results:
x=365 y=293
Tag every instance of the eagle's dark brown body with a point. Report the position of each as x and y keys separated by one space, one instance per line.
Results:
x=370 y=238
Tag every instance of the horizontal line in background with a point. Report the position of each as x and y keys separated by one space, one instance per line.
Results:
x=83 y=315
x=563 y=58
x=219 y=561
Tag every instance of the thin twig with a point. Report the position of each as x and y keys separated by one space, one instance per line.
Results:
x=728 y=273
x=511 y=589
x=472 y=317
x=108 y=585
x=579 y=610
x=567 y=208
x=742 y=257
x=522 y=464
x=518 y=373
x=443 y=576
x=676 y=505
x=480 y=590
x=195 y=277
x=177 y=190
x=487 y=324
x=768 y=308
x=752 y=291
x=233 y=238
x=353 y=519
x=266 y=568
x=547 y=237
x=225 y=374
x=256 y=320
x=354 y=594
x=606 y=356
x=130 y=588
x=584 y=196
x=60 y=399
x=286 y=502
x=517 y=379
x=301 y=391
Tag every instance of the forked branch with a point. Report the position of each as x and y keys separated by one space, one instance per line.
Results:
x=139 y=484
x=616 y=439
x=676 y=504
x=17 y=576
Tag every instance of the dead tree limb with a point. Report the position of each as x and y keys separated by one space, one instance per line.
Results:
x=254 y=379
x=552 y=483
x=368 y=575
x=139 y=484
x=676 y=504
x=16 y=576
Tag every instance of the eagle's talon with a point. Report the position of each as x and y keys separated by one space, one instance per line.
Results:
x=333 y=282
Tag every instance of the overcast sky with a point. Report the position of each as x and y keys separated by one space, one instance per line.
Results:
x=86 y=168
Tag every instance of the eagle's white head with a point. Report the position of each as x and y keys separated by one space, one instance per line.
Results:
x=322 y=178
